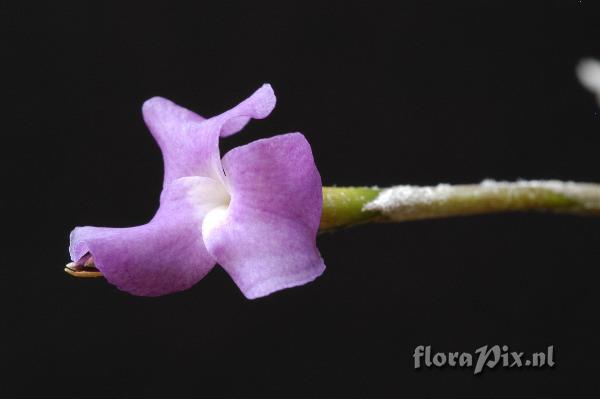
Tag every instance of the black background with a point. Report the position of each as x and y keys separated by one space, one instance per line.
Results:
x=415 y=93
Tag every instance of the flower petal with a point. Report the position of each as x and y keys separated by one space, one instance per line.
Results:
x=266 y=240
x=163 y=256
x=190 y=143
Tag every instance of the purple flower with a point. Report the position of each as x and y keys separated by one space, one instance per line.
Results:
x=255 y=212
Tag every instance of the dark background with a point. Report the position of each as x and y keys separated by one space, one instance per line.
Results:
x=417 y=93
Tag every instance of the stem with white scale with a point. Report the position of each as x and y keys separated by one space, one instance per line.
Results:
x=346 y=206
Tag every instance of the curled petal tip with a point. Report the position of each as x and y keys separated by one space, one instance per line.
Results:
x=264 y=101
x=258 y=106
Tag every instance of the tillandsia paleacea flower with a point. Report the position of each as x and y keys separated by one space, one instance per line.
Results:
x=255 y=212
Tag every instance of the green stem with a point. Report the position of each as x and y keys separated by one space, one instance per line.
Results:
x=343 y=206
x=346 y=206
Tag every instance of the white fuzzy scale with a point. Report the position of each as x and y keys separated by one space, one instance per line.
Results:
x=404 y=197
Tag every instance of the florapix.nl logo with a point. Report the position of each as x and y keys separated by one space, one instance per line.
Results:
x=483 y=357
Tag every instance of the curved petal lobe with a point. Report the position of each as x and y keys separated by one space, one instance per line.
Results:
x=266 y=239
x=163 y=256
x=190 y=143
